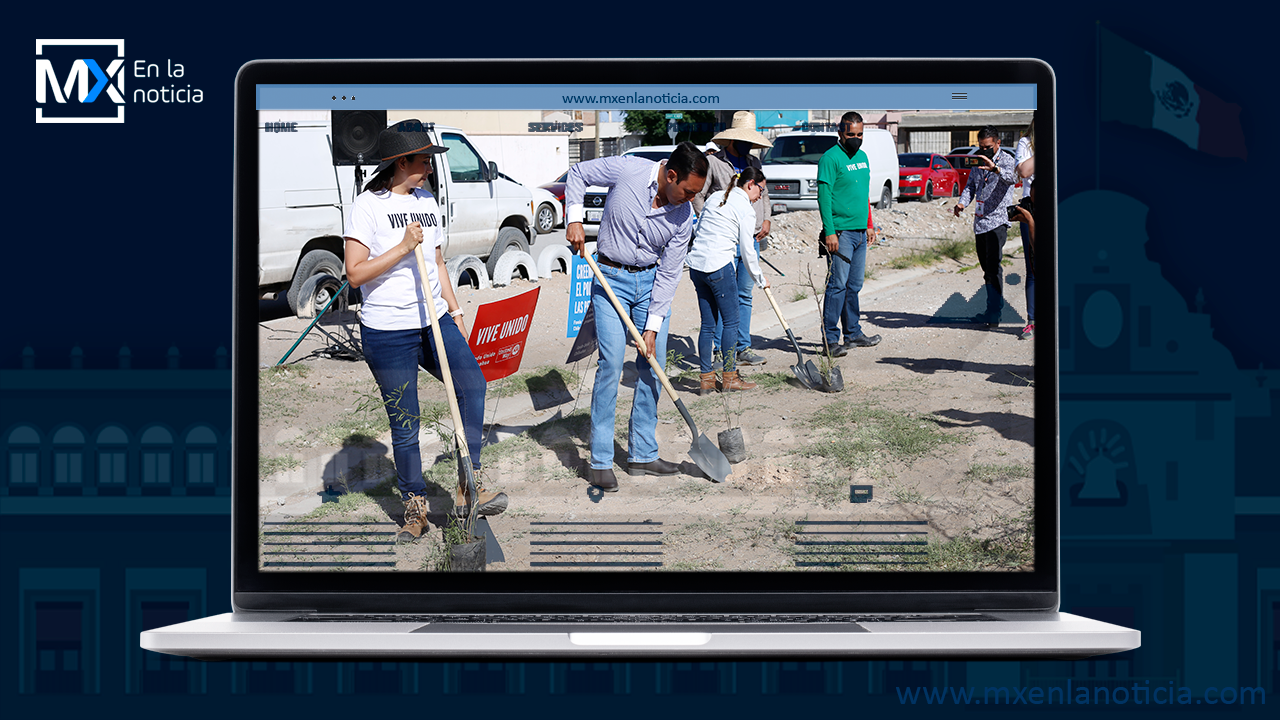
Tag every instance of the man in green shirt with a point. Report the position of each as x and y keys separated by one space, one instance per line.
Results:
x=844 y=180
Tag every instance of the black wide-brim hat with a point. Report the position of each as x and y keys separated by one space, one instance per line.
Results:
x=407 y=137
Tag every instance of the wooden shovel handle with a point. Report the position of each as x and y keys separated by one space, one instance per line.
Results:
x=459 y=433
x=626 y=319
x=774 y=303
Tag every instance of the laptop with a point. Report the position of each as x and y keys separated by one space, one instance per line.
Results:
x=905 y=516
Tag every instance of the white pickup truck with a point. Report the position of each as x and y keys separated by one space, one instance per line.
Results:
x=303 y=197
x=791 y=168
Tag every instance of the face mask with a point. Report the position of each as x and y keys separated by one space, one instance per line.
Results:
x=742 y=147
x=989 y=153
x=852 y=144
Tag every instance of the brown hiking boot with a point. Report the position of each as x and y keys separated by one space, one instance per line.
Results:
x=708 y=383
x=415 y=519
x=732 y=381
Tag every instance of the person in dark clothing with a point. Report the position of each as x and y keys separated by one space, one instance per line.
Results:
x=990 y=190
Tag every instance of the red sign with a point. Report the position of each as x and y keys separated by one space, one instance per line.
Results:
x=499 y=333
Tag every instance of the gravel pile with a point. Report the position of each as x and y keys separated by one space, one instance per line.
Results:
x=909 y=224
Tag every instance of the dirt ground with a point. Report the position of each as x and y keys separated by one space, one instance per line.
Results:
x=935 y=423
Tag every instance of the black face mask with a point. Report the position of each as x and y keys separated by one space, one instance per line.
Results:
x=851 y=144
x=989 y=153
x=742 y=147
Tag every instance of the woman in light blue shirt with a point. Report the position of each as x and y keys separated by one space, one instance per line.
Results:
x=725 y=226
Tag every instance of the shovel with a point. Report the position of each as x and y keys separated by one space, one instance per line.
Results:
x=806 y=373
x=833 y=380
x=775 y=267
x=704 y=452
x=466 y=473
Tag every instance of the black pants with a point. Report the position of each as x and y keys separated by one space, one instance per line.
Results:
x=990 y=252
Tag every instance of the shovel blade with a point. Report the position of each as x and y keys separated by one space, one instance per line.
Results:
x=709 y=459
x=802 y=374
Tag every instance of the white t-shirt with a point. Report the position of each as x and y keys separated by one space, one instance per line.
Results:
x=724 y=230
x=1023 y=152
x=394 y=299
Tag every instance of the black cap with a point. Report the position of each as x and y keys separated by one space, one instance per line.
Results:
x=407 y=137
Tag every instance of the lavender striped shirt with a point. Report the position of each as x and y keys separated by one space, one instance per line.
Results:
x=632 y=231
x=993 y=190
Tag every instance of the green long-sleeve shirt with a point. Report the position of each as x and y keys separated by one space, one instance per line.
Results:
x=844 y=184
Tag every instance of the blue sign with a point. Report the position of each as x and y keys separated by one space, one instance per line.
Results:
x=579 y=294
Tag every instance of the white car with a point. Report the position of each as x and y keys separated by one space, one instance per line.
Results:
x=548 y=211
x=595 y=196
x=791 y=168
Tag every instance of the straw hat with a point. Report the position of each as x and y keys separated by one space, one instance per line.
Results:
x=743 y=127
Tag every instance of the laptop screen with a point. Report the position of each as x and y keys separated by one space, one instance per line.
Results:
x=873 y=413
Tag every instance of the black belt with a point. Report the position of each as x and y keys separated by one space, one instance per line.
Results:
x=629 y=268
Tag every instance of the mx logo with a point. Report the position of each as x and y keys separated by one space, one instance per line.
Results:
x=71 y=98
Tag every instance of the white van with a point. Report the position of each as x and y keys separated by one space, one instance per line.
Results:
x=303 y=196
x=791 y=168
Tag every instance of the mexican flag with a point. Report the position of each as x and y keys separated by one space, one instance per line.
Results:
x=1140 y=89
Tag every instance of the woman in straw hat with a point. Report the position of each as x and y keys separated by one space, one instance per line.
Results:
x=388 y=221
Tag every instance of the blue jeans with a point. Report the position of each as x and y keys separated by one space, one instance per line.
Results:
x=745 y=288
x=394 y=357
x=718 y=303
x=633 y=291
x=843 y=285
x=1029 y=254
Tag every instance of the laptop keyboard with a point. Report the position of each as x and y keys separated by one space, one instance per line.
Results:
x=634 y=619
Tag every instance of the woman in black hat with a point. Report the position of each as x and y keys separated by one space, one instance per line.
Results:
x=394 y=215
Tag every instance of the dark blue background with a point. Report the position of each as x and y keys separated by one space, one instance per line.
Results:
x=143 y=208
x=121 y=235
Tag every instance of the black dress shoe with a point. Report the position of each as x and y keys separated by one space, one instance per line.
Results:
x=863 y=341
x=603 y=479
x=656 y=467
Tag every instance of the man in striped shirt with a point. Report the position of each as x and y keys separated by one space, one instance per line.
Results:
x=644 y=235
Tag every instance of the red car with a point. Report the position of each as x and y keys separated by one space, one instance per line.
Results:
x=926 y=176
x=556 y=187
x=963 y=164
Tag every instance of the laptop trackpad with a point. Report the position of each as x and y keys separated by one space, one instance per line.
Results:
x=639 y=639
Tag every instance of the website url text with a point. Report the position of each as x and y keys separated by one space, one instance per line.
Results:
x=638 y=99
x=1139 y=694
